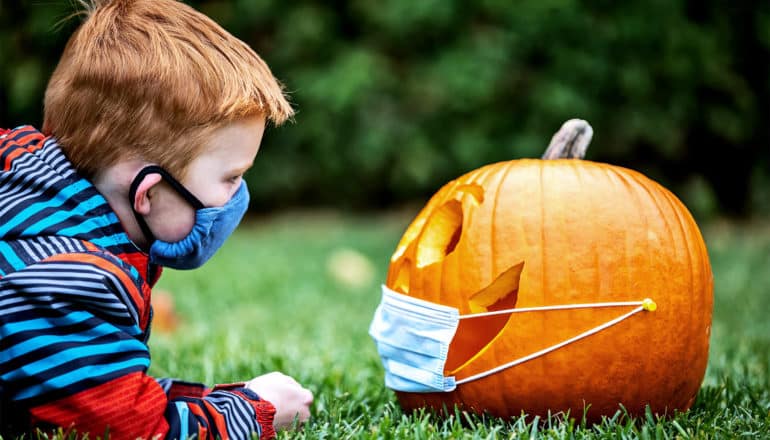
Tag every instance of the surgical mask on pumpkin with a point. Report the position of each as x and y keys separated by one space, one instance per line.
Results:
x=211 y=229
x=413 y=337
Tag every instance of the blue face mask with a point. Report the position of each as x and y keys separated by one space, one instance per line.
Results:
x=211 y=229
x=413 y=337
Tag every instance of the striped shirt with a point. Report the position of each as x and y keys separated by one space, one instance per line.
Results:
x=75 y=316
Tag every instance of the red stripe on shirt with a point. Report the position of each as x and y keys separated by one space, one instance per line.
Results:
x=131 y=406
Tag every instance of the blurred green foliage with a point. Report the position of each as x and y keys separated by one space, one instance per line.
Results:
x=396 y=97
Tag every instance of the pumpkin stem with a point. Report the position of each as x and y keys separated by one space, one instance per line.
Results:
x=571 y=141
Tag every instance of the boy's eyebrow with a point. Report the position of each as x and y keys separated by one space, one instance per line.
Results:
x=242 y=170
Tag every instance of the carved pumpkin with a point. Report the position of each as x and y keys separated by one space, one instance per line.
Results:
x=530 y=233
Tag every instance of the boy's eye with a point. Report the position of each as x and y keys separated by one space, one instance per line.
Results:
x=235 y=179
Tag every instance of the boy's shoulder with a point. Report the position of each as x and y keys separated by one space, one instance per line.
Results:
x=76 y=272
x=20 y=136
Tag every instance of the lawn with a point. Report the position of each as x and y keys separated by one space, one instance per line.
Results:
x=275 y=299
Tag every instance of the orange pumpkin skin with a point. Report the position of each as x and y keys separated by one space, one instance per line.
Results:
x=570 y=231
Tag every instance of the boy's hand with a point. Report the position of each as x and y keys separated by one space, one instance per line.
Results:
x=288 y=397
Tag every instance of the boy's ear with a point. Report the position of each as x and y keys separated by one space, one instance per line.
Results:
x=142 y=203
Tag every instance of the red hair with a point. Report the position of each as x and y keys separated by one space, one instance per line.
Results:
x=151 y=79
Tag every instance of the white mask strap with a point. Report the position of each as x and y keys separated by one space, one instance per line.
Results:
x=647 y=305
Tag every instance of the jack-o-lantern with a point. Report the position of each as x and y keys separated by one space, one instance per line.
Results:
x=581 y=247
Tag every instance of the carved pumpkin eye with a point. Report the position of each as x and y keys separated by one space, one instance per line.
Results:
x=433 y=235
x=440 y=234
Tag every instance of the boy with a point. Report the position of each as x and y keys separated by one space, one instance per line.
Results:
x=152 y=117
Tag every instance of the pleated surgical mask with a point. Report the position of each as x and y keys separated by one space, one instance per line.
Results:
x=413 y=337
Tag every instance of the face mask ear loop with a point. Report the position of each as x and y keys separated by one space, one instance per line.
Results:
x=646 y=305
x=178 y=187
x=558 y=307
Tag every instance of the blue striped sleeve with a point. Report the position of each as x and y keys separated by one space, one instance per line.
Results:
x=66 y=326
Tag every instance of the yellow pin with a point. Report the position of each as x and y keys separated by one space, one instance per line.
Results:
x=649 y=305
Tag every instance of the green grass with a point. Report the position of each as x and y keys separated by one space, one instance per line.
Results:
x=268 y=301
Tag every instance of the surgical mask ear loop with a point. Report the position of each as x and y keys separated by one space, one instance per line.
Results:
x=645 y=305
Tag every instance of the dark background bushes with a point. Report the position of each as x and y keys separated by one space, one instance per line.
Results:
x=396 y=97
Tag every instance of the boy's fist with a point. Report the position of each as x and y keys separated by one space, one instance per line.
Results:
x=288 y=397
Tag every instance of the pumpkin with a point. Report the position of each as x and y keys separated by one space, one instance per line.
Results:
x=534 y=233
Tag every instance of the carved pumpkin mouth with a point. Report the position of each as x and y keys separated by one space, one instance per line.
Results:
x=474 y=335
x=433 y=237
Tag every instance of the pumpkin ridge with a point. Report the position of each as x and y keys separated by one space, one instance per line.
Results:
x=625 y=192
x=543 y=299
x=633 y=185
x=655 y=200
x=690 y=234
x=492 y=229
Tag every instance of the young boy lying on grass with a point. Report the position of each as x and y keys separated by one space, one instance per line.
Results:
x=152 y=116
